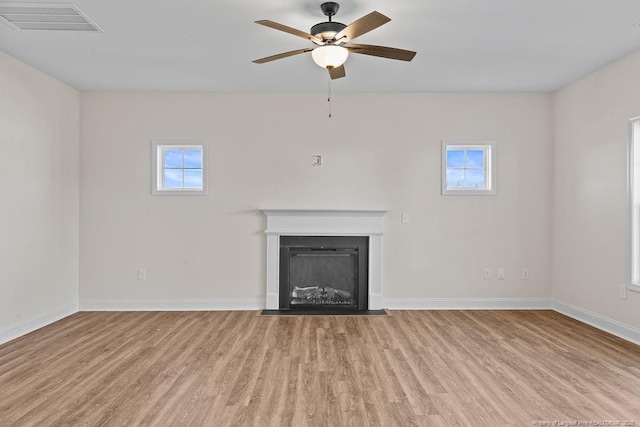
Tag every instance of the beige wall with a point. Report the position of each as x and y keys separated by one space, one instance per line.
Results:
x=39 y=188
x=590 y=221
x=380 y=151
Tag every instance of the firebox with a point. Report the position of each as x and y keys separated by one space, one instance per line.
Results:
x=323 y=272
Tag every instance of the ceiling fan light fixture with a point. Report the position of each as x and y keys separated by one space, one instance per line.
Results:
x=331 y=38
x=330 y=55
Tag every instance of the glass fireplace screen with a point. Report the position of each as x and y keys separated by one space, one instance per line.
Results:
x=323 y=277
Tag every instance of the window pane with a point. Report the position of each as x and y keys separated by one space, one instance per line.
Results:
x=172 y=158
x=173 y=178
x=475 y=158
x=475 y=178
x=467 y=167
x=455 y=178
x=455 y=158
x=193 y=178
x=193 y=159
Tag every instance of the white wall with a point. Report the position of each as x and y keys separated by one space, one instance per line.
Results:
x=39 y=189
x=380 y=151
x=590 y=220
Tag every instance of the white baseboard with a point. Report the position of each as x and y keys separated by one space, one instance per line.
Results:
x=611 y=326
x=467 y=303
x=36 y=322
x=214 y=304
x=228 y=304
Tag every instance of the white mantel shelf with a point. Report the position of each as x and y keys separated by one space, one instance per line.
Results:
x=350 y=212
x=324 y=222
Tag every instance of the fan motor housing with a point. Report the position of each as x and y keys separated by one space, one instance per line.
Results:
x=327 y=30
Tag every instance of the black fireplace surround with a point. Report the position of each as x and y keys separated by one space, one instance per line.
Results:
x=324 y=273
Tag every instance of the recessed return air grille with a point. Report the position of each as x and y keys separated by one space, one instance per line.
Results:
x=46 y=17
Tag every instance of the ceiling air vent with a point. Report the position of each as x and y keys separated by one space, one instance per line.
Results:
x=46 y=17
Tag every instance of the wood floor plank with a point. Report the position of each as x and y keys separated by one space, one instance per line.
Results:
x=236 y=368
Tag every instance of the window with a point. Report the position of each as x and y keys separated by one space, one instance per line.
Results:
x=634 y=202
x=179 y=167
x=468 y=168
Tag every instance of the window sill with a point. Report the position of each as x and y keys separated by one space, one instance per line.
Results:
x=635 y=288
x=179 y=193
x=469 y=193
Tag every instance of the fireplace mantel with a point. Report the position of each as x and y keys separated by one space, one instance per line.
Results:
x=324 y=222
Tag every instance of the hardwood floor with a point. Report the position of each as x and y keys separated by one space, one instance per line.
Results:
x=475 y=368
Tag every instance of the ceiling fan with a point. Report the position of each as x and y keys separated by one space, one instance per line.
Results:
x=333 y=41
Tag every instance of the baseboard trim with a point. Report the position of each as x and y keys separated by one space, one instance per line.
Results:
x=603 y=323
x=228 y=304
x=210 y=304
x=467 y=303
x=36 y=322
x=619 y=329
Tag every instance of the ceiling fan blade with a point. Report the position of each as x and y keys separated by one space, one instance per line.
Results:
x=337 y=72
x=289 y=30
x=361 y=26
x=382 y=51
x=282 y=55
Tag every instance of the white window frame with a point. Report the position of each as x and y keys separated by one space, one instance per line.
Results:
x=633 y=189
x=157 y=148
x=489 y=148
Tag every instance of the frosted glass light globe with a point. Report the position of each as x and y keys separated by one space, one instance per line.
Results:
x=330 y=55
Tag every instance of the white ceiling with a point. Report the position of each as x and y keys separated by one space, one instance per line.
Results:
x=462 y=45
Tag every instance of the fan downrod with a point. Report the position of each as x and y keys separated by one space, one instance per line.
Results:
x=327 y=31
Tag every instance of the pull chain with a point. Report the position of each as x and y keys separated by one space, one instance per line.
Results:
x=329 y=97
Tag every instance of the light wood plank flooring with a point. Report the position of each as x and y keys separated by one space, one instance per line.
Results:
x=472 y=368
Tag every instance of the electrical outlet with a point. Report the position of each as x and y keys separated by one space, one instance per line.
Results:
x=405 y=217
x=525 y=273
x=142 y=274
x=501 y=274
x=623 y=292
x=487 y=273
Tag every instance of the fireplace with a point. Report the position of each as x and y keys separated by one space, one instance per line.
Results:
x=323 y=272
x=285 y=224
